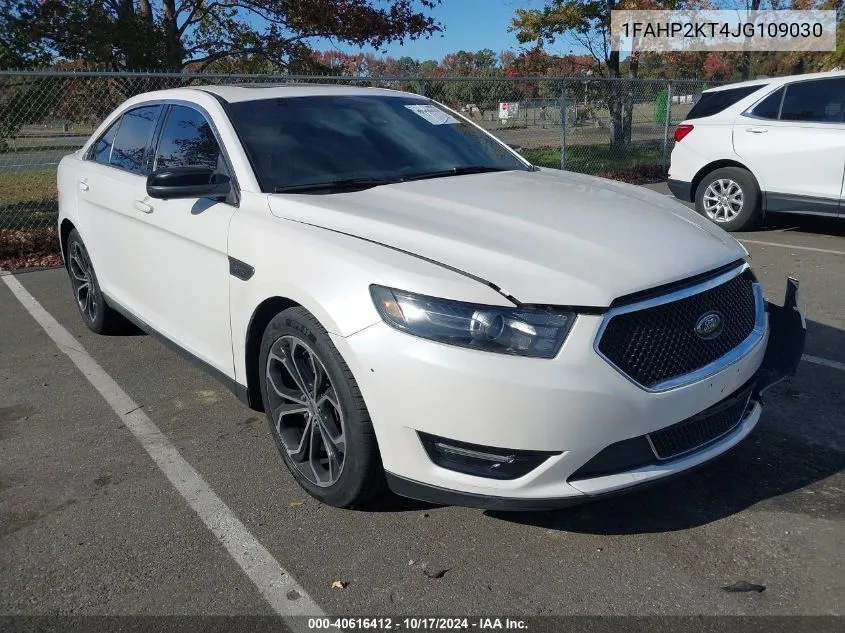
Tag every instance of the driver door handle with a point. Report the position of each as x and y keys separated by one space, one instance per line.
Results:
x=83 y=185
x=143 y=207
x=756 y=130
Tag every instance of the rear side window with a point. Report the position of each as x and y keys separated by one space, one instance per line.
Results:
x=187 y=140
x=101 y=149
x=712 y=103
x=769 y=108
x=133 y=136
x=820 y=100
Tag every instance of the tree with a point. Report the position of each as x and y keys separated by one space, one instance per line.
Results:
x=173 y=34
x=17 y=50
x=587 y=23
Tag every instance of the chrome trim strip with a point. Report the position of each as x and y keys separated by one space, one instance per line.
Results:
x=735 y=355
x=745 y=413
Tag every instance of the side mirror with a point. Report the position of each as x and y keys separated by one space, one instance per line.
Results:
x=188 y=182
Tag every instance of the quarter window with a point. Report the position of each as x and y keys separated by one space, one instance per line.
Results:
x=187 y=140
x=820 y=100
x=133 y=137
x=711 y=103
x=769 y=107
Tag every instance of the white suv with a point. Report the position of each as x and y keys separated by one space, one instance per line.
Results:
x=770 y=145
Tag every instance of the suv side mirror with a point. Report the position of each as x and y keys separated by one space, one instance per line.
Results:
x=188 y=182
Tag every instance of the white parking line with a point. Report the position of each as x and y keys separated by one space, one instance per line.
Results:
x=269 y=577
x=793 y=246
x=824 y=361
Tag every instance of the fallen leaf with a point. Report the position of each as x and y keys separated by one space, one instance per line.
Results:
x=742 y=586
x=295 y=504
x=436 y=572
x=339 y=584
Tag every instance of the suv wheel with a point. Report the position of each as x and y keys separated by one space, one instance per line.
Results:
x=729 y=197
x=316 y=412
x=98 y=316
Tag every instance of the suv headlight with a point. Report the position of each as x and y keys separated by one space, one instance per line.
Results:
x=535 y=333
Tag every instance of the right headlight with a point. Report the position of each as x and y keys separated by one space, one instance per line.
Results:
x=534 y=333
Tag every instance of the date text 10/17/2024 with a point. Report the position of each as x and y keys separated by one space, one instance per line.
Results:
x=417 y=624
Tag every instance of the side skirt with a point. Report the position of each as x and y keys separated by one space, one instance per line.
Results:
x=774 y=202
x=240 y=391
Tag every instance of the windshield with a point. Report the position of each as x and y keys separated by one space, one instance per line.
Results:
x=294 y=142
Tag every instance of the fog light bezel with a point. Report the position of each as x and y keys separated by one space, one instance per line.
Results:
x=482 y=461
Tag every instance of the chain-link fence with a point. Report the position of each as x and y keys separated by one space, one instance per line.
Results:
x=583 y=124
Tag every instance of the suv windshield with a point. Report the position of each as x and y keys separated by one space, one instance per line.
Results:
x=343 y=142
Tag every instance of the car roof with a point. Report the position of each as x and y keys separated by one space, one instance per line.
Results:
x=252 y=92
x=779 y=81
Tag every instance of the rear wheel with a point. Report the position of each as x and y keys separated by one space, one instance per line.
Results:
x=729 y=197
x=98 y=316
x=316 y=412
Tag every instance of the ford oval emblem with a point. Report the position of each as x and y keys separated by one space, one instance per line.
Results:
x=709 y=325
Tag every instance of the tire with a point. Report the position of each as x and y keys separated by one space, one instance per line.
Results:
x=96 y=314
x=296 y=349
x=736 y=185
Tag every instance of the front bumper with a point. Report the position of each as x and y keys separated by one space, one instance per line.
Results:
x=575 y=405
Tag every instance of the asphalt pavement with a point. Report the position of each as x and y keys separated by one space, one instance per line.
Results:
x=92 y=523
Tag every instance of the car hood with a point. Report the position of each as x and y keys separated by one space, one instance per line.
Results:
x=543 y=237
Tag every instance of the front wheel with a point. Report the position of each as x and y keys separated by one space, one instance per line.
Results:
x=729 y=197
x=316 y=412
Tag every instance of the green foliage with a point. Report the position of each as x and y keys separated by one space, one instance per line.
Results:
x=174 y=35
x=661 y=105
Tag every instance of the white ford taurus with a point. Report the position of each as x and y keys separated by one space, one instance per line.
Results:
x=412 y=303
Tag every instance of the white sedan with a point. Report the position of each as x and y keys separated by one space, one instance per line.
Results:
x=414 y=304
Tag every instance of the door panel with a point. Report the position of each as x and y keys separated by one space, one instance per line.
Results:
x=185 y=283
x=185 y=263
x=107 y=221
x=797 y=159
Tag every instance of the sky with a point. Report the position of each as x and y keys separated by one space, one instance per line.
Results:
x=467 y=25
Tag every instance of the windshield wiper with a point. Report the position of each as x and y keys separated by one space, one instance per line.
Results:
x=344 y=184
x=454 y=171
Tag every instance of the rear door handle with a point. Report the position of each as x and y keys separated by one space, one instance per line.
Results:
x=756 y=130
x=143 y=207
x=83 y=185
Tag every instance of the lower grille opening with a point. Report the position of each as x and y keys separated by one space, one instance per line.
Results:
x=481 y=461
x=672 y=442
x=697 y=432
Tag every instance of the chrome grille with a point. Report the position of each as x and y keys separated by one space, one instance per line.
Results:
x=657 y=342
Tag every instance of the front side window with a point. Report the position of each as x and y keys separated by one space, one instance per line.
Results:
x=187 y=141
x=712 y=103
x=133 y=136
x=101 y=149
x=820 y=100
x=295 y=142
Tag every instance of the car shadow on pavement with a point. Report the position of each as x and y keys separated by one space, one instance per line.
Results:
x=784 y=465
x=804 y=223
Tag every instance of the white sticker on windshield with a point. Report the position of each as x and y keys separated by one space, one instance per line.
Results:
x=432 y=114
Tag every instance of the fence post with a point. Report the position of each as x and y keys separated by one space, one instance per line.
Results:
x=422 y=87
x=563 y=126
x=666 y=124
